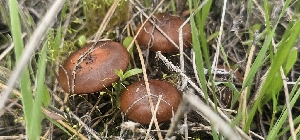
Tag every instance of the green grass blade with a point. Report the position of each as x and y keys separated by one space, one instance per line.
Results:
x=35 y=129
x=281 y=55
x=27 y=99
x=58 y=125
x=284 y=131
x=262 y=53
x=268 y=27
x=283 y=117
x=198 y=53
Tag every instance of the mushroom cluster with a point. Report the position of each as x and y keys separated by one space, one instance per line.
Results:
x=150 y=37
x=135 y=104
x=91 y=69
x=97 y=68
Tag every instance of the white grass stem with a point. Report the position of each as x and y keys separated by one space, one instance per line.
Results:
x=216 y=57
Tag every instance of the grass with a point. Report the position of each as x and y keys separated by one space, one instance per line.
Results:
x=263 y=48
x=26 y=91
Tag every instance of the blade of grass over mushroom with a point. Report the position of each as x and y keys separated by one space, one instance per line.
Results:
x=200 y=20
x=284 y=48
x=273 y=134
x=27 y=99
x=198 y=53
x=35 y=128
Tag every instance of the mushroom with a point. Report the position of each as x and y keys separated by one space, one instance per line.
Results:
x=226 y=94
x=97 y=69
x=135 y=104
x=153 y=39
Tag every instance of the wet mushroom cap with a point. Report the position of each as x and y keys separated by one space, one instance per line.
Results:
x=156 y=41
x=96 y=71
x=135 y=104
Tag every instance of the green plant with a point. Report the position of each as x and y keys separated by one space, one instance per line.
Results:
x=26 y=91
x=283 y=49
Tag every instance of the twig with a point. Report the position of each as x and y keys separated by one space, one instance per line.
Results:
x=256 y=135
x=182 y=109
x=260 y=9
x=21 y=136
x=71 y=129
x=287 y=97
x=189 y=98
x=6 y=51
x=288 y=106
x=90 y=130
x=243 y=103
x=215 y=62
x=153 y=117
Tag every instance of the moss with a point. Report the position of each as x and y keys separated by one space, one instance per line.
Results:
x=96 y=11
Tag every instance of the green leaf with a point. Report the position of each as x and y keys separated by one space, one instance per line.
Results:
x=36 y=116
x=212 y=36
x=198 y=52
x=132 y=72
x=284 y=114
x=293 y=55
x=127 y=42
x=58 y=125
x=46 y=97
x=26 y=92
x=81 y=40
x=284 y=48
x=120 y=74
x=277 y=82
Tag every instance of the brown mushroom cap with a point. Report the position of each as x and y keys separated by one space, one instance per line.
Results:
x=97 y=70
x=170 y=25
x=135 y=104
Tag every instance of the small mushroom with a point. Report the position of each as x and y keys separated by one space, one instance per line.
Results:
x=97 y=69
x=226 y=94
x=135 y=103
x=153 y=39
